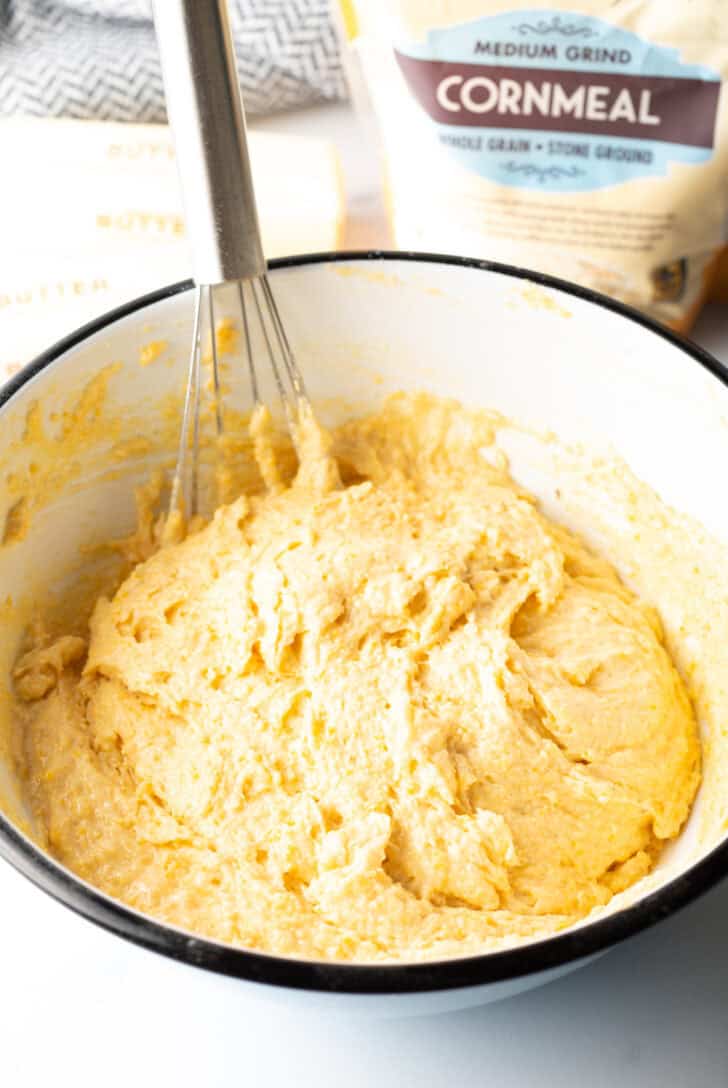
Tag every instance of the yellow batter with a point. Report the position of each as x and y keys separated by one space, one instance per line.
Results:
x=388 y=711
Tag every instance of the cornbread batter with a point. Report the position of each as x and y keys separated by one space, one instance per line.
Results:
x=386 y=711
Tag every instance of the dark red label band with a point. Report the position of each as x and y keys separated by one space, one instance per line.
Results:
x=670 y=110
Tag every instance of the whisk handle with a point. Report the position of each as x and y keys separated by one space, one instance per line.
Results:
x=208 y=121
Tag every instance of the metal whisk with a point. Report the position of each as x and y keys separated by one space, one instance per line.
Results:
x=208 y=122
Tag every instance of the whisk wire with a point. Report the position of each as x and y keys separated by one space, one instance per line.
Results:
x=294 y=374
x=179 y=481
x=257 y=307
x=215 y=364
x=248 y=347
x=194 y=475
x=280 y=385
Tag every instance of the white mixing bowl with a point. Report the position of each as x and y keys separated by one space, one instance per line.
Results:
x=551 y=355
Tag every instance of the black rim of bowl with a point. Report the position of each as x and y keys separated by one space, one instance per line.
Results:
x=551 y=953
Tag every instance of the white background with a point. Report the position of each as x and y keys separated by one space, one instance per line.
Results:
x=80 y=1007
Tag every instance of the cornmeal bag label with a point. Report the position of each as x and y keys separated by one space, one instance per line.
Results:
x=587 y=139
x=560 y=102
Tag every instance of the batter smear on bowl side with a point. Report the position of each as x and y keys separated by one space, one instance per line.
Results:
x=385 y=710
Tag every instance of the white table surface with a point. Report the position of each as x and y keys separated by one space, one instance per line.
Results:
x=79 y=1006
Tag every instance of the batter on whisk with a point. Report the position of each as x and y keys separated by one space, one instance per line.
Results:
x=383 y=710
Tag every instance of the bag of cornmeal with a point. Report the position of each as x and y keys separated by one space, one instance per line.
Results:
x=588 y=139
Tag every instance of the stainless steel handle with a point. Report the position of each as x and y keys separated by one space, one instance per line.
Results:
x=208 y=122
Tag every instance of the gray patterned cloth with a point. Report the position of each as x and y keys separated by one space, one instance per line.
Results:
x=98 y=58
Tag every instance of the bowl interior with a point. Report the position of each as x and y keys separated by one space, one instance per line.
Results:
x=78 y=435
